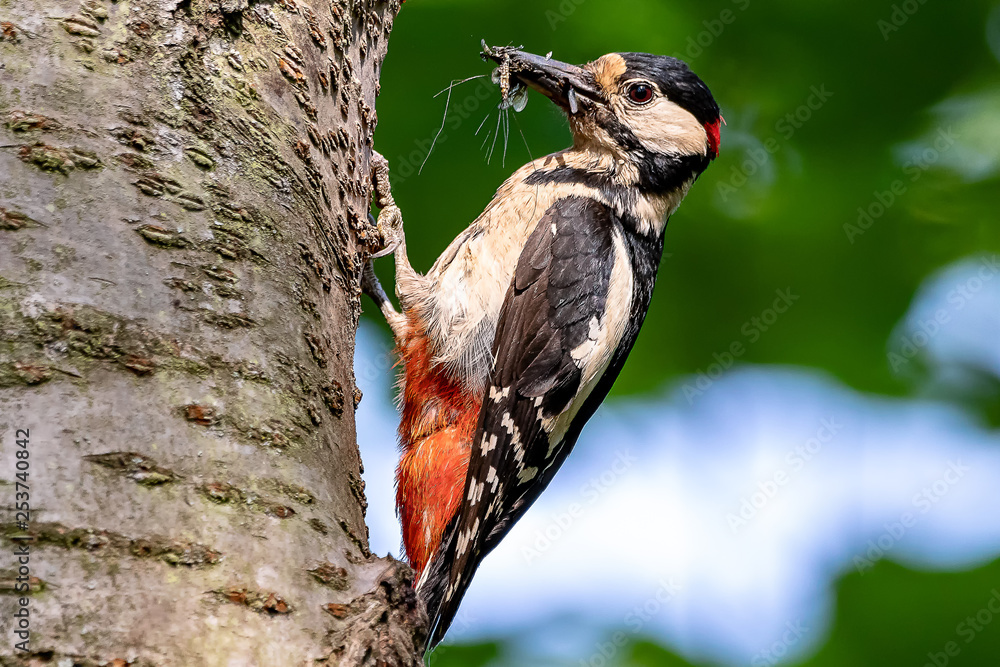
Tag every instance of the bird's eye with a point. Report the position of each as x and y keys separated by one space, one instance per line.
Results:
x=640 y=93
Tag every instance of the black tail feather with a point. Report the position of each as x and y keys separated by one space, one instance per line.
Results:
x=433 y=587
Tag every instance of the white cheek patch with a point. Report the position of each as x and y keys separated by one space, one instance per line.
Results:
x=667 y=128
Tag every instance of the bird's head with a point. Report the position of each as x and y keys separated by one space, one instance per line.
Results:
x=642 y=108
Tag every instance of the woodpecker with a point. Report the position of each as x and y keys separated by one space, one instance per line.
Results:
x=514 y=337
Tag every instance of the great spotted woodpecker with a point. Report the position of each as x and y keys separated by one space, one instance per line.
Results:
x=514 y=337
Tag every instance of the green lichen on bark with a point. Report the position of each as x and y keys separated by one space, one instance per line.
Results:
x=109 y=543
x=137 y=467
x=14 y=583
x=224 y=493
x=13 y=220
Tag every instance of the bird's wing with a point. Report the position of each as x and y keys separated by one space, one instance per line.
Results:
x=564 y=316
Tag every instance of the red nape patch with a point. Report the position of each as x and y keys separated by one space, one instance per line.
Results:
x=713 y=130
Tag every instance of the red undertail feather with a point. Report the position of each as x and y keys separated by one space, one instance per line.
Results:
x=438 y=422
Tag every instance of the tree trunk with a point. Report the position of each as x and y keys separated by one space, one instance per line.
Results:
x=184 y=188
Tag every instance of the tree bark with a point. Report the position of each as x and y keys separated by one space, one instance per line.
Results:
x=184 y=187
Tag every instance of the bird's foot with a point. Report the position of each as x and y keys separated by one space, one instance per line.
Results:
x=390 y=219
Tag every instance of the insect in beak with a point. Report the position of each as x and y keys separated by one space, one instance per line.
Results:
x=569 y=86
x=513 y=93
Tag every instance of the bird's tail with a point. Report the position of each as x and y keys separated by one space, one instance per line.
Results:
x=433 y=585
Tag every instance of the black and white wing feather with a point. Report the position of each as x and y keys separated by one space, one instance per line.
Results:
x=569 y=318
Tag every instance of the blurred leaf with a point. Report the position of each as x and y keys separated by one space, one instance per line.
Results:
x=468 y=655
x=892 y=615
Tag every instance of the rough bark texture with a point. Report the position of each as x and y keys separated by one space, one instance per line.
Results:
x=184 y=189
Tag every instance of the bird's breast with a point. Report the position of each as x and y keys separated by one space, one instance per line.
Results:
x=470 y=280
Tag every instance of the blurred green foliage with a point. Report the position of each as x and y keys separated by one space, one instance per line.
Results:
x=833 y=108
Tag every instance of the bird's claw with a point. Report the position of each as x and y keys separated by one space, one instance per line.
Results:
x=389 y=228
x=390 y=220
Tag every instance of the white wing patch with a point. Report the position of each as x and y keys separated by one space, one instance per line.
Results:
x=583 y=351
x=594 y=355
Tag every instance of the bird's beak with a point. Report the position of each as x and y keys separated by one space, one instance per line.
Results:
x=569 y=86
